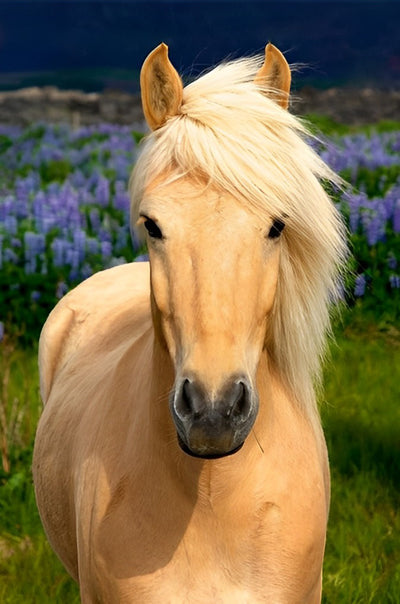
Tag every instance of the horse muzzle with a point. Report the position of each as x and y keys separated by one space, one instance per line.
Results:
x=213 y=426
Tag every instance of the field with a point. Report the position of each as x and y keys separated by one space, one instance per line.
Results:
x=64 y=215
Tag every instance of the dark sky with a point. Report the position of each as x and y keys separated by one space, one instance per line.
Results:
x=348 y=41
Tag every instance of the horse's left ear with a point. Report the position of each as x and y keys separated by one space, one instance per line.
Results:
x=275 y=75
x=161 y=88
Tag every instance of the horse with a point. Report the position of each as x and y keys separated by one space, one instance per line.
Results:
x=180 y=456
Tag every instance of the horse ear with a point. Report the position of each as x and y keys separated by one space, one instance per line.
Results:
x=161 y=88
x=275 y=74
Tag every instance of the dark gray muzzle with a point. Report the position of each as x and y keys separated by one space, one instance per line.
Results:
x=212 y=427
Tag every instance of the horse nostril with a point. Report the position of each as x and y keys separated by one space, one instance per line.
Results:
x=186 y=406
x=239 y=401
x=232 y=403
x=189 y=401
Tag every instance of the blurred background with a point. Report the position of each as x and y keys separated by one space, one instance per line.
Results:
x=94 y=45
x=347 y=54
x=70 y=132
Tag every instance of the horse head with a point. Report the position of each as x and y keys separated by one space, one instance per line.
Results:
x=214 y=269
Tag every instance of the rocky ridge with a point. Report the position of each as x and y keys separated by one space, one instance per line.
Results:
x=50 y=104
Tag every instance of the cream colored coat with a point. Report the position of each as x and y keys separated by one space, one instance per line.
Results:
x=132 y=517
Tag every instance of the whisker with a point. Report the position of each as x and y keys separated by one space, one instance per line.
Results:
x=162 y=397
x=258 y=442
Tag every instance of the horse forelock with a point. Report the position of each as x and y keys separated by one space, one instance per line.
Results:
x=231 y=134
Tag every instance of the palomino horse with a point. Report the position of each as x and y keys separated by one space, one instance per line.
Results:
x=180 y=457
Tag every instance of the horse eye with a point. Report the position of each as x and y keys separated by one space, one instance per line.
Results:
x=276 y=229
x=152 y=229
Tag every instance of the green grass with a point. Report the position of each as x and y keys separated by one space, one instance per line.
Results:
x=29 y=571
x=327 y=125
x=361 y=420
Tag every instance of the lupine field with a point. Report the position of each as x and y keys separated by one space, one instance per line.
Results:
x=64 y=214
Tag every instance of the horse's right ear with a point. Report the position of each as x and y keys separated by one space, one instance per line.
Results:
x=161 y=88
x=275 y=75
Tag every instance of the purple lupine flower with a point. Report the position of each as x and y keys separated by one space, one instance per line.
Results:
x=6 y=207
x=35 y=296
x=59 y=248
x=86 y=271
x=116 y=261
x=142 y=258
x=10 y=225
x=102 y=192
x=92 y=246
x=396 y=216
x=10 y=256
x=106 y=249
x=1 y=331
x=34 y=248
x=24 y=188
x=374 y=226
x=392 y=261
x=394 y=281
x=360 y=284
x=77 y=179
x=94 y=179
x=79 y=242
x=355 y=202
x=15 y=242
x=352 y=151
x=34 y=242
x=121 y=197
x=95 y=219
x=39 y=210
x=72 y=258
x=61 y=289
x=10 y=131
x=395 y=144
x=121 y=239
x=122 y=165
x=104 y=234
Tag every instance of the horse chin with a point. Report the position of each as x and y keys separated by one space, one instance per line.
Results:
x=206 y=455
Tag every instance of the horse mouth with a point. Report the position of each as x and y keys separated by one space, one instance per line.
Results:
x=206 y=455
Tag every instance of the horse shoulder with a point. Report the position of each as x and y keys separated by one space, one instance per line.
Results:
x=94 y=307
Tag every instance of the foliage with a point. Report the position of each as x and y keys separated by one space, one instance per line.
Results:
x=29 y=571
x=64 y=212
x=370 y=204
x=319 y=123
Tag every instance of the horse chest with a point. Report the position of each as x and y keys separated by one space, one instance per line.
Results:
x=202 y=568
x=195 y=555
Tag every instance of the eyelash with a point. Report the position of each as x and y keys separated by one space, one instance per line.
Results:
x=276 y=229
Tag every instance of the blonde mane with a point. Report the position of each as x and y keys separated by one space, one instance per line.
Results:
x=232 y=134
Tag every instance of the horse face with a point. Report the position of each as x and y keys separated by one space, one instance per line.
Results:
x=214 y=270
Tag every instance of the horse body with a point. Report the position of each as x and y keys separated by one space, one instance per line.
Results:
x=136 y=519
x=180 y=457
